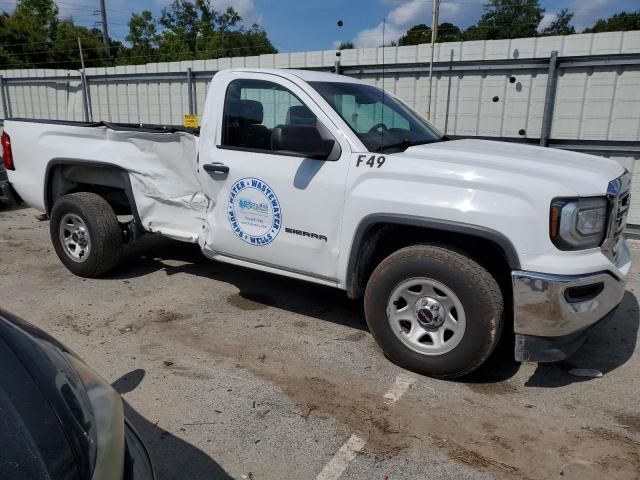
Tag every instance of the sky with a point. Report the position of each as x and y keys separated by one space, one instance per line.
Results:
x=301 y=25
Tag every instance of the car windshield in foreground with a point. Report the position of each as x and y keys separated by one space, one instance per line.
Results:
x=381 y=121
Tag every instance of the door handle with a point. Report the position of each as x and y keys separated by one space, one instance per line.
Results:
x=216 y=168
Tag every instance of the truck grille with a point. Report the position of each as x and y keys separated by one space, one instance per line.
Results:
x=620 y=200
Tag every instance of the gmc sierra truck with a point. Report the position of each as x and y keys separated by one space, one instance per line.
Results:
x=327 y=179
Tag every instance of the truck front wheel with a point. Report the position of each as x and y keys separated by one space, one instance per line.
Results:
x=86 y=234
x=434 y=311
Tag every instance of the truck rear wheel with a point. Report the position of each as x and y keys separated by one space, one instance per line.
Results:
x=86 y=234
x=434 y=311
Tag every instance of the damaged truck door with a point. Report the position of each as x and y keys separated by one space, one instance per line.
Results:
x=285 y=183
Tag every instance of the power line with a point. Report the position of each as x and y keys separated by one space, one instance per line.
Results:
x=74 y=6
x=160 y=56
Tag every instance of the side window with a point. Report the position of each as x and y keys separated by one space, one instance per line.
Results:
x=253 y=109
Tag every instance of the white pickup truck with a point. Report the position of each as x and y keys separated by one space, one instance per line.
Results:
x=325 y=178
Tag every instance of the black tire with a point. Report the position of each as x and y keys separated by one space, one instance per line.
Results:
x=104 y=231
x=476 y=289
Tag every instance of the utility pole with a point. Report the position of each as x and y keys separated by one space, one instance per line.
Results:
x=105 y=29
x=434 y=38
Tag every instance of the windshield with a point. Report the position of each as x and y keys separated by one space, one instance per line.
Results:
x=381 y=121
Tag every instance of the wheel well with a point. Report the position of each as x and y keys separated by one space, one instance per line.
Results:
x=382 y=239
x=111 y=183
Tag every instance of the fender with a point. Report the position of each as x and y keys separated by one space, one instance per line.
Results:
x=126 y=181
x=493 y=236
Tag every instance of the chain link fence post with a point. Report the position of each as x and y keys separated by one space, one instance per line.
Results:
x=549 y=99
x=85 y=96
x=446 y=115
x=190 y=91
x=5 y=109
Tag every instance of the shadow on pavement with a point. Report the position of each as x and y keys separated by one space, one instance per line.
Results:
x=172 y=457
x=610 y=345
x=8 y=207
x=323 y=303
x=500 y=366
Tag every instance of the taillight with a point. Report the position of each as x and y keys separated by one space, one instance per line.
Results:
x=7 y=155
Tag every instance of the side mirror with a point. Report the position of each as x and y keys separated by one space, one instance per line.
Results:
x=301 y=139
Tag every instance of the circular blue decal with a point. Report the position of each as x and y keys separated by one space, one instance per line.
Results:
x=254 y=211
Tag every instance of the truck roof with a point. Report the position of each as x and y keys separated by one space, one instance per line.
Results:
x=306 y=75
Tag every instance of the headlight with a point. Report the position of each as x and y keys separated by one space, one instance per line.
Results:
x=107 y=425
x=88 y=409
x=578 y=223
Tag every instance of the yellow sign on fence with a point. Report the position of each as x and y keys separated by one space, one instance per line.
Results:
x=190 y=121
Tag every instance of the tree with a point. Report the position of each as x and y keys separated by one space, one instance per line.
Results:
x=63 y=52
x=421 y=33
x=183 y=21
x=507 y=19
x=416 y=35
x=346 y=46
x=448 y=32
x=27 y=33
x=192 y=29
x=143 y=37
x=619 y=22
x=236 y=43
x=561 y=25
x=34 y=36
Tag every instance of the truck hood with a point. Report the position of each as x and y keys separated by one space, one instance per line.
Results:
x=585 y=175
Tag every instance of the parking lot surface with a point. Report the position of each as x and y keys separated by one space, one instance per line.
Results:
x=231 y=373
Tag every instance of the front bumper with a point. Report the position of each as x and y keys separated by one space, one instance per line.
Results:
x=554 y=312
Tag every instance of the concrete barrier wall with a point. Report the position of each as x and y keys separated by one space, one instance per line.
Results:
x=600 y=102
x=591 y=103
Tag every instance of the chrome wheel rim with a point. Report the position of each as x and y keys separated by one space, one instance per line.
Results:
x=426 y=316
x=74 y=237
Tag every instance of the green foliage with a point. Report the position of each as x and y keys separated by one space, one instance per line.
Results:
x=448 y=32
x=190 y=30
x=507 y=19
x=421 y=33
x=416 y=35
x=516 y=19
x=561 y=25
x=619 y=22
x=143 y=38
x=63 y=52
x=33 y=36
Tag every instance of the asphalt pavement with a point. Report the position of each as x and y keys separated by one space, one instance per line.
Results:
x=229 y=373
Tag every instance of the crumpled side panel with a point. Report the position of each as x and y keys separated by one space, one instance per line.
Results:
x=165 y=183
x=161 y=166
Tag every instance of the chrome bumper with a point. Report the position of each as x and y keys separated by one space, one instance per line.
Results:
x=558 y=305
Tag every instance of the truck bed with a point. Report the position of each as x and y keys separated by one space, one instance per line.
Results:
x=160 y=161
